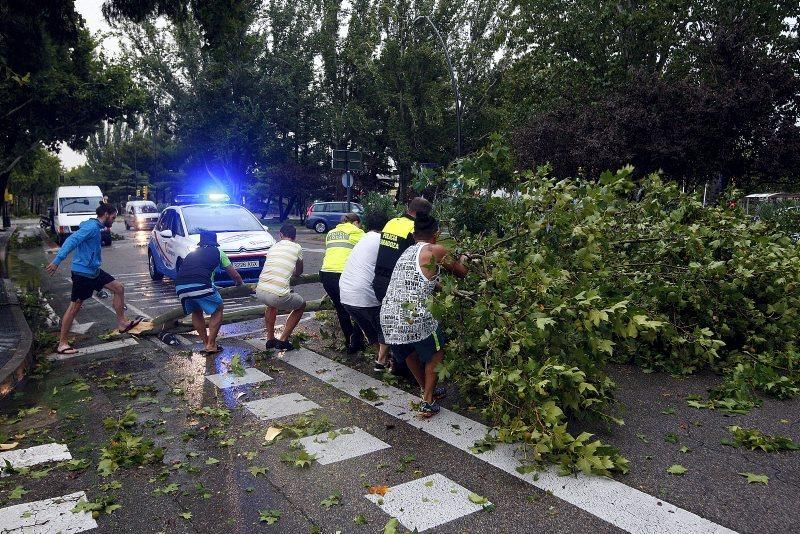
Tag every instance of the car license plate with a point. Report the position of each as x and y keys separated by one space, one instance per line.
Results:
x=245 y=264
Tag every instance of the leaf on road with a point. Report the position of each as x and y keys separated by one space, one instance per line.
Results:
x=676 y=469
x=255 y=471
x=186 y=515
x=8 y=446
x=236 y=367
x=477 y=499
x=391 y=526
x=360 y=520
x=685 y=449
x=752 y=478
x=332 y=500
x=378 y=490
x=272 y=433
x=269 y=517
x=211 y=461
x=17 y=493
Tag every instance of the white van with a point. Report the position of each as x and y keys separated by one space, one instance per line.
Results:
x=72 y=205
x=141 y=214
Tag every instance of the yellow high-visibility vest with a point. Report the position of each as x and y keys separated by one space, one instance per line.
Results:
x=339 y=244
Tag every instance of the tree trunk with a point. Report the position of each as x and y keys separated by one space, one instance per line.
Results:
x=405 y=179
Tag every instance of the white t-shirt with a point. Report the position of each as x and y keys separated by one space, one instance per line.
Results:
x=355 y=284
x=279 y=267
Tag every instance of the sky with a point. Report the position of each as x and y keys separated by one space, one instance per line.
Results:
x=91 y=11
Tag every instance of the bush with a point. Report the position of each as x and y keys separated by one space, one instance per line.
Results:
x=379 y=203
x=580 y=274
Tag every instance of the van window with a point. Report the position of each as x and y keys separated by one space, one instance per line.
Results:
x=78 y=204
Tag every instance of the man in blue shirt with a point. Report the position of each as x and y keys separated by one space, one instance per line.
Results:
x=87 y=276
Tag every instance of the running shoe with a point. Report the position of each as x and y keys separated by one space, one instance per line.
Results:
x=439 y=392
x=271 y=344
x=428 y=410
x=380 y=367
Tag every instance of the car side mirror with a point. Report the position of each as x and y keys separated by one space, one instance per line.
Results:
x=166 y=234
x=265 y=227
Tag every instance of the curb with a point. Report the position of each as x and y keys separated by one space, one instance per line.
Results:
x=12 y=373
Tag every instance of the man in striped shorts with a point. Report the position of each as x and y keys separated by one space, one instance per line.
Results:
x=195 y=288
x=284 y=260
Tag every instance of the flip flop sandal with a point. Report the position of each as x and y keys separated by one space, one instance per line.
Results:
x=220 y=348
x=131 y=324
x=67 y=350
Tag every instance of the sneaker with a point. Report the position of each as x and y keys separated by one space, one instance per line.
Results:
x=271 y=344
x=284 y=345
x=380 y=367
x=428 y=410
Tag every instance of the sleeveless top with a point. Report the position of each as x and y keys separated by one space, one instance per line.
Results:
x=404 y=316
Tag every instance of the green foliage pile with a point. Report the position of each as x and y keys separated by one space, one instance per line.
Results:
x=753 y=439
x=579 y=274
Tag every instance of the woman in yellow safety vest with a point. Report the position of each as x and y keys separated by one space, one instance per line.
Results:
x=339 y=244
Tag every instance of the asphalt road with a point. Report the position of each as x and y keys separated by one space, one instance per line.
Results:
x=660 y=430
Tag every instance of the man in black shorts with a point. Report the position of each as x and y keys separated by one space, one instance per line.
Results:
x=87 y=276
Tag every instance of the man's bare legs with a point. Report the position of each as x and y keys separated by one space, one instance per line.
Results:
x=270 y=315
x=199 y=323
x=383 y=354
x=118 y=303
x=425 y=375
x=66 y=323
x=291 y=322
x=214 y=323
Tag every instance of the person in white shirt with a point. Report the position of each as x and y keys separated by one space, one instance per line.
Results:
x=284 y=260
x=356 y=292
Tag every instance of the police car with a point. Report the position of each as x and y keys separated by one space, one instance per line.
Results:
x=239 y=233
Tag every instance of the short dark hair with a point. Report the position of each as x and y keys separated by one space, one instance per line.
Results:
x=419 y=205
x=105 y=209
x=350 y=217
x=376 y=220
x=425 y=226
x=288 y=230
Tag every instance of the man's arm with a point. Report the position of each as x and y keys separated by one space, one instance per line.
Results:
x=69 y=245
x=445 y=258
x=234 y=274
x=226 y=264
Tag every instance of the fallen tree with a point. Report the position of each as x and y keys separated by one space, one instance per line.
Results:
x=170 y=320
x=569 y=275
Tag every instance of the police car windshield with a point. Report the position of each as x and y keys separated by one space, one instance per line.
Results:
x=224 y=218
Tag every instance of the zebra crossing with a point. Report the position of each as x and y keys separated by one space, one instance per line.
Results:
x=49 y=515
x=419 y=504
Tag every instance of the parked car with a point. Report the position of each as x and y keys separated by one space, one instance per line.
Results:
x=72 y=205
x=322 y=216
x=240 y=235
x=141 y=214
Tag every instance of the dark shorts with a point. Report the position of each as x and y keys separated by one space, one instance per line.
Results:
x=369 y=319
x=84 y=286
x=425 y=349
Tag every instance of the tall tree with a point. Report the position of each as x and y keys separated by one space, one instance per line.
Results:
x=54 y=87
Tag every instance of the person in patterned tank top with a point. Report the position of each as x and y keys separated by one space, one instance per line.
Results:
x=408 y=326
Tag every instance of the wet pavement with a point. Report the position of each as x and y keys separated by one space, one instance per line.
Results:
x=219 y=474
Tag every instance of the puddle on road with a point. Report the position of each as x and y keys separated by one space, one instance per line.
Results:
x=25 y=275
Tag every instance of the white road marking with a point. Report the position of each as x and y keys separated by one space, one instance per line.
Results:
x=78 y=328
x=51 y=452
x=47 y=517
x=280 y=406
x=427 y=502
x=82 y=351
x=130 y=306
x=307 y=316
x=229 y=380
x=610 y=500
x=342 y=444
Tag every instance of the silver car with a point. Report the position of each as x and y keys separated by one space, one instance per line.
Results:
x=141 y=215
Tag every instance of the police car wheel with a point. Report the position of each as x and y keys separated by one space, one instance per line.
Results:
x=151 y=266
x=320 y=227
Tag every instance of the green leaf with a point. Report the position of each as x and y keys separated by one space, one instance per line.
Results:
x=676 y=469
x=186 y=515
x=755 y=479
x=255 y=471
x=269 y=517
x=391 y=526
x=17 y=492
x=211 y=461
x=477 y=499
x=332 y=500
x=360 y=520
x=236 y=366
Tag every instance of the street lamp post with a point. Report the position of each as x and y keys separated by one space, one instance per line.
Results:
x=453 y=79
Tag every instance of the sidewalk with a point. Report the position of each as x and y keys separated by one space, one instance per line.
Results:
x=15 y=336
